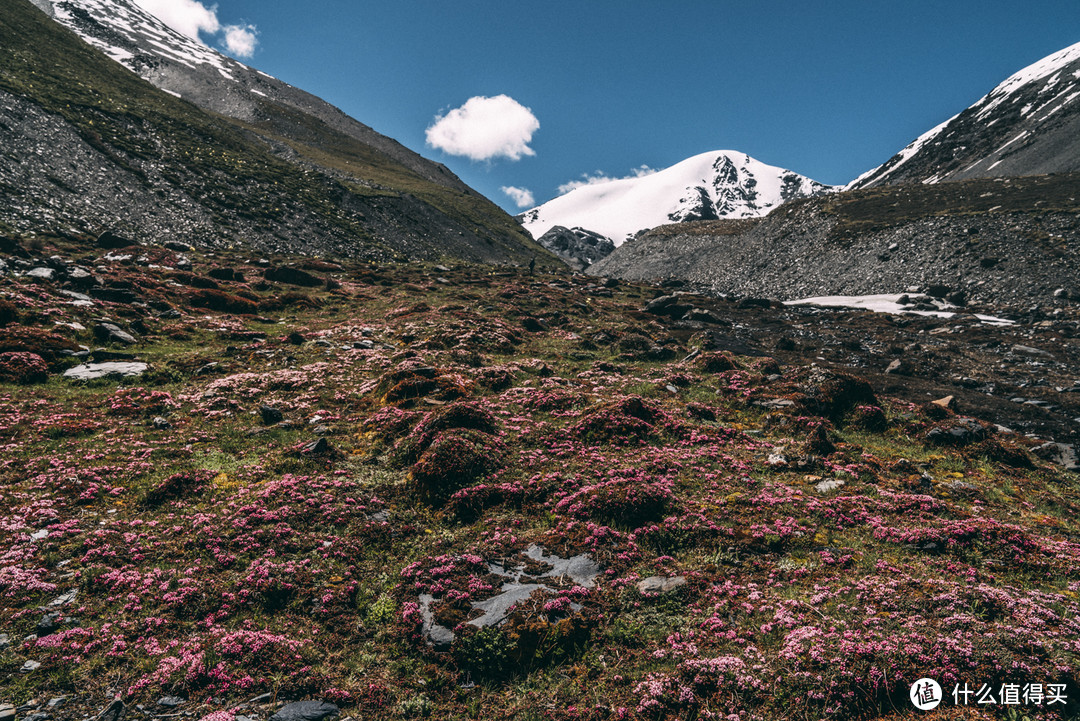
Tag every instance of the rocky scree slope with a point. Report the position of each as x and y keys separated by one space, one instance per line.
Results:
x=577 y=247
x=90 y=145
x=1028 y=125
x=1011 y=241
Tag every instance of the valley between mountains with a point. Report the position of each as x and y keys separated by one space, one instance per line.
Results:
x=295 y=425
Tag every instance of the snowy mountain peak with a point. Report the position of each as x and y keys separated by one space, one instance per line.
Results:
x=709 y=186
x=130 y=35
x=1028 y=124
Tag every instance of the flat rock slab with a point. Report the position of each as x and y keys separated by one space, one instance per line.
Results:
x=90 y=371
x=661 y=584
x=305 y=711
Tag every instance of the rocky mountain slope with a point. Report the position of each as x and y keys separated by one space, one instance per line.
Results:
x=90 y=145
x=1028 y=125
x=719 y=184
x=1005 y=240
x=578 y=248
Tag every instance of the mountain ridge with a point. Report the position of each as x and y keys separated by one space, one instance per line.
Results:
x=1029 y=124
x=708 y=186
x=95 y=146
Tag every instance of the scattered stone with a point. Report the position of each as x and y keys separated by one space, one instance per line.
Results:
x=898 y=367
x=91 y=371
x=292 y=276
x=666 y=305
x=938 y=291
x=957 y=297
x=945 y=402
x=7 y=712
x=831 y=484
x=47 y=624
x=1063 y=454
x=171 y=701
x=30 y=666
x=113 y=712
x=161 y=423
x=963 y=432
x=111 y=333
x=57 y=702
x=661 y=584
x=316 y=447
x=5 y=641
x=110 y=240
x=39 y=716
x=64 y=599
x=1029 y=351
x=306 y=711
x=41 y=273
x=270 y=415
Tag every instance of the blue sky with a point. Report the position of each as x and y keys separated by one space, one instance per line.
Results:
x=828 y=89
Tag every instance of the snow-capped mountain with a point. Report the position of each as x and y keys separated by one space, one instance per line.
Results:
x=710 y=186
x=185 y=67
x=1027 y=125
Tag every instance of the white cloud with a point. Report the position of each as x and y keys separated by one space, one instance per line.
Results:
x=485 y=128
x=189 y=17
x=240 y=40
x=522 y=197
x=599 y=179
x=192 y=18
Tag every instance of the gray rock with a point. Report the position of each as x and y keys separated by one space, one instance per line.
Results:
x=270 y=415
x=1063 y=454
x=161 y=423
x=65 y=599
x=7 y=712
x=47 y=624
x=30 y=666
x=1029 y=351
x=661 y=584
x=113 y=712
x=305 y=711
x=898 y=367
x=39 y=716
x=831 y=484
x=41 y=273
x=171 y=701
x=109 y=332
x=90 y=371
x=57 y=702
x=5 y=641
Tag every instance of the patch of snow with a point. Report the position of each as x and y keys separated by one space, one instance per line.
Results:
x=888 y=303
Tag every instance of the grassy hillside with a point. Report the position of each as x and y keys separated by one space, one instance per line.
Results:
x=313 y=489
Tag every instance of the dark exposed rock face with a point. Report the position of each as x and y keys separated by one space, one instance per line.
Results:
x=578 y=247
